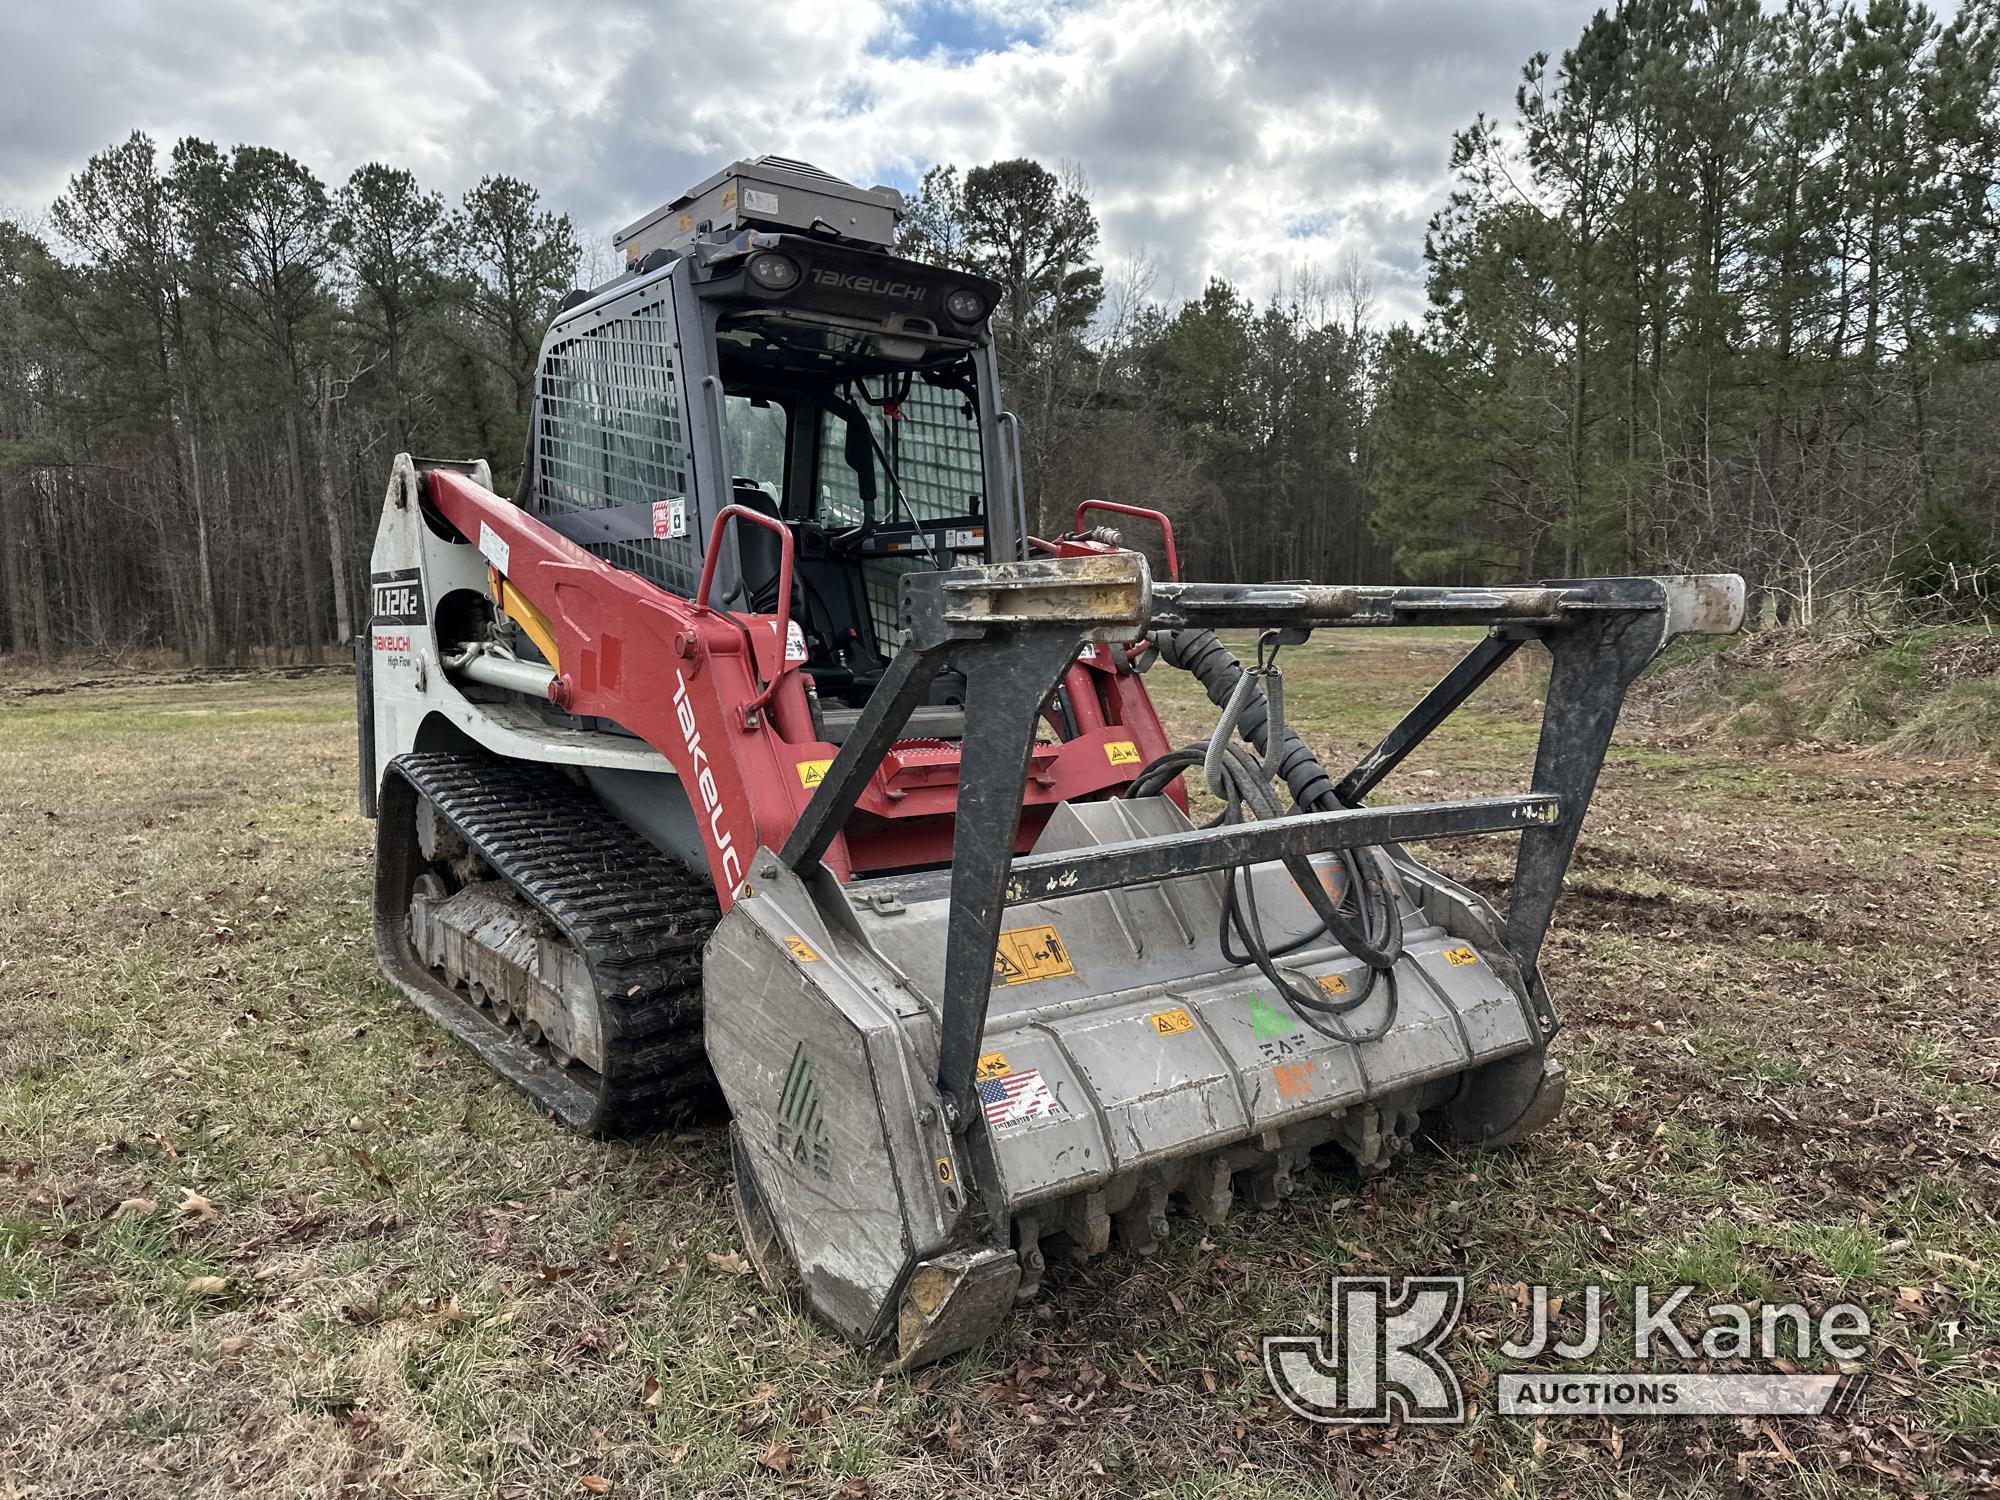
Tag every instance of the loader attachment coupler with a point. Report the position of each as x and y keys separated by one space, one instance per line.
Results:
x=1017 y=1054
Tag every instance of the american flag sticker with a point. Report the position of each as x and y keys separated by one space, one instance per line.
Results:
x=1014 y=1097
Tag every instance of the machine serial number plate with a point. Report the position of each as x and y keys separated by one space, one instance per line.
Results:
x=1030 y=953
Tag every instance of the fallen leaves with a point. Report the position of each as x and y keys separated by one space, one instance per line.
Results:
x=778 y=1457
x=367 y=1163
x=730 y=1261
x=595 y=1484
x=139 y=1206
x=207 y=1286
x=194 y=1204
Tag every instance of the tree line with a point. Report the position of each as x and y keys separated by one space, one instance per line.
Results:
x=200 y=394
x=1722 y=292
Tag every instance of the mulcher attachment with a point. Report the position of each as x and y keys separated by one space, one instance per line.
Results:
x=941 y=1080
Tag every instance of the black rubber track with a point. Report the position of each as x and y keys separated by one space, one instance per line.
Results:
x=638 y=917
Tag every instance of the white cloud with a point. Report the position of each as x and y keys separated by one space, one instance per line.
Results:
x=1240 y=138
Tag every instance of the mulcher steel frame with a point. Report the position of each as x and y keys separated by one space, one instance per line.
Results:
x=1013 y=630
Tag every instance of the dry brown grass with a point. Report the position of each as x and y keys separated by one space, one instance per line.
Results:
x=1780 y=1028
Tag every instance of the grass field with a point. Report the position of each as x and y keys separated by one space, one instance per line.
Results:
x=263 y=1231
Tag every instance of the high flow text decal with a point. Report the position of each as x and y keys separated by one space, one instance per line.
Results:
x=726 y=857
x=398 y=604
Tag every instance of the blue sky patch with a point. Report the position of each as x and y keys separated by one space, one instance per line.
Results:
x=934 y=26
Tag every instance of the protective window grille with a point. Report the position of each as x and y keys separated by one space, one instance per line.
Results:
x=934 y=444
x=611 y=433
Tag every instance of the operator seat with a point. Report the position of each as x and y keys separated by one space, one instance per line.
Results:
x=759 y=553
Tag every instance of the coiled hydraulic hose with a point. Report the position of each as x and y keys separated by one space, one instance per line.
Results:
x=1366 y=920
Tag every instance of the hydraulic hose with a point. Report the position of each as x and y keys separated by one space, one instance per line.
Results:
x=1366 y=919
x=1216 y=668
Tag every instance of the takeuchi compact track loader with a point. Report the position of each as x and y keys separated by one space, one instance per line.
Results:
x=753 y=745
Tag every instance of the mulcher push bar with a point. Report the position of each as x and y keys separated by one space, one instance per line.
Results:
x=1130 y=862
x=1012 y=629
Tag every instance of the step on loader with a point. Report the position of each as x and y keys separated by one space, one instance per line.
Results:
x=753 y=748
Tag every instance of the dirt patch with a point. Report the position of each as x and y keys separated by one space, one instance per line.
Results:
x=1932 y=693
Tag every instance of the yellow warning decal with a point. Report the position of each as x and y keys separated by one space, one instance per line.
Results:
x=1171 y=1022
x=1460 y=956
x=1122 y=753
x=1333 y=984
x=800 y=949
x=992 y=1065
x=812 y=772
x=1030 y=953
x=944 y=1170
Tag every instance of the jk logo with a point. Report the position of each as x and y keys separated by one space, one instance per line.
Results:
x=1378 y=1360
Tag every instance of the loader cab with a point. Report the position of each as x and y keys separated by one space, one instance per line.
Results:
x=826 y=383
x=877 y=469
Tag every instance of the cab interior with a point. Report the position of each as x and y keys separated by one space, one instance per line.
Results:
x=876 y=468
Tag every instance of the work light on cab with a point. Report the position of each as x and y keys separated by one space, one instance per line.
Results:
x=774 y=273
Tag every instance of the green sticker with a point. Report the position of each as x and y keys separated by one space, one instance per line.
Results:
x=1266 y=1021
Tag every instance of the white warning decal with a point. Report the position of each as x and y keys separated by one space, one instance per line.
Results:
x=494 y=548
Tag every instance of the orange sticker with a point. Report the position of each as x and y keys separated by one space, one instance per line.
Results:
x=1294 y=1079
x=1333 y=984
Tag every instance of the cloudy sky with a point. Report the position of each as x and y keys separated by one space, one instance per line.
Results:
x=1244 y=138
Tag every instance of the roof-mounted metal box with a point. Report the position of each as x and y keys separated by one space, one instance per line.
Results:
x=767 y=192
